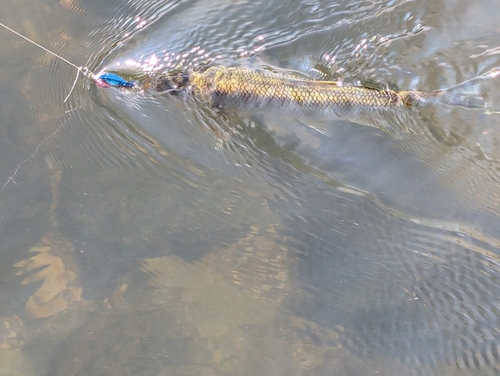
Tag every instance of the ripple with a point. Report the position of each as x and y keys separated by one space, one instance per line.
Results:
x=391 y=231
x=421 y=291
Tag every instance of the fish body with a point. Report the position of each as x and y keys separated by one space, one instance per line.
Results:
x=254 y=91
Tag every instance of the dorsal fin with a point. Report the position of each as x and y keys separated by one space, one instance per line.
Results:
x=380 y=86
x=373 y=85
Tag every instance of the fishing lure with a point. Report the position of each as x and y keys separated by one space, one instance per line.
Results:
x=114 y=80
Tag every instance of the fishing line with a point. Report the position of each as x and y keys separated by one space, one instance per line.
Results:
x=84 y=70
x=42 y=47
x=104 y=80
x=108 y=79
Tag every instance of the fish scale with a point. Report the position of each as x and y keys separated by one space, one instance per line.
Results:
x=260 y=91
x=242 y=87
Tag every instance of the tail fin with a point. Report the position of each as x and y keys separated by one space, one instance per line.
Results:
x=466 y=94
x=480 y=92
x=477 y=93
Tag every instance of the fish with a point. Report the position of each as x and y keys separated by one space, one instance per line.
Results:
x=250 y=90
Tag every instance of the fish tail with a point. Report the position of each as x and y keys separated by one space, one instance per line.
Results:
x=468 y=94
x=412 y=98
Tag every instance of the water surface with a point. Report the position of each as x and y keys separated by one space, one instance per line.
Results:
x=148 y=235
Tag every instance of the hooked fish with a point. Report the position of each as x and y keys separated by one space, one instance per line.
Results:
x=257 y=90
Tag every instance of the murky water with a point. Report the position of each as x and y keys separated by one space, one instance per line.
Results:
x=149 y=235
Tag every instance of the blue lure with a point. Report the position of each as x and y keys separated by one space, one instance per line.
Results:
x=116 y=81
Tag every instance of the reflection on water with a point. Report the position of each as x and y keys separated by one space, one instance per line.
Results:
x=147 y=234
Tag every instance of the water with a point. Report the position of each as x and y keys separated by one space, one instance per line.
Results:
x=149 y=235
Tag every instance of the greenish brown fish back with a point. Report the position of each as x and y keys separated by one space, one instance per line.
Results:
x=237 y=87
x=255 y=90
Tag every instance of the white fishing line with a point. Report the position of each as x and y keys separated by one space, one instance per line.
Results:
x=83 y=70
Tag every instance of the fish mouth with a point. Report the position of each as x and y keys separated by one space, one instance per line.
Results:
x=173 y=83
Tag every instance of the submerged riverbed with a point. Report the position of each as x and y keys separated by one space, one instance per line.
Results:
x=146 y=234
